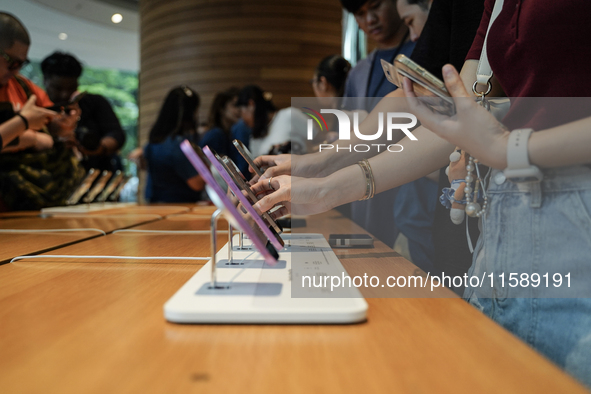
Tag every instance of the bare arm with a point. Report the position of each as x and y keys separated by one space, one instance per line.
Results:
x=196 y=183
x=477 y=131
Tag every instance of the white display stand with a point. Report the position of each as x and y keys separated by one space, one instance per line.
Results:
x=250 y=291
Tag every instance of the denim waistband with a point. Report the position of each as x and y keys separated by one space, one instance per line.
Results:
x=558 y=179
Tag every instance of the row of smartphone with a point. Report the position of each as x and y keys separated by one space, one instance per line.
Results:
x=231 y=193
x=98 y=186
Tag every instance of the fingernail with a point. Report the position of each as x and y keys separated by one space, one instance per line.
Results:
x=447 y=71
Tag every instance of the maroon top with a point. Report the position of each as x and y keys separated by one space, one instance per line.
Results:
x=540 y=48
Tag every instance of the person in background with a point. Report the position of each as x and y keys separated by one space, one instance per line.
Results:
x=223 y=115
x=330 y=77
x=414 y=14
x=271 y=127
x=365 y=85
x=17 y=90
x=173 y=178
x=99 y=134
x=380 y=21
x=38 y=170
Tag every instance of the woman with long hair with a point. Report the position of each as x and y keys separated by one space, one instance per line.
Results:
x=172 y=178
x=222 y=117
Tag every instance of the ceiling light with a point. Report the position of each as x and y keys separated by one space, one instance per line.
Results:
x=116 y=18
x=62 y=36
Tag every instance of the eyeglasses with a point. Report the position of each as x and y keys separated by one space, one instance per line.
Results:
x=13 y=64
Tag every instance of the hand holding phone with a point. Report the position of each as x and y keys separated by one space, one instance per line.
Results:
x=429 y=89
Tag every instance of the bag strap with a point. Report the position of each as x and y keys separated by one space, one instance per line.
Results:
x=484 y=72
x=24 y=85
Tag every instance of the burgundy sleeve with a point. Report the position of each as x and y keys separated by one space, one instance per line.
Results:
x=474 y=52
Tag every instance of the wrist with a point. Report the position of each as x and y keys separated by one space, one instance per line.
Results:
x=344 y=186
x=519 y=167
x=24 y=120
x=500 y=157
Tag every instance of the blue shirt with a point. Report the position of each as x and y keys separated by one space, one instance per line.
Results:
x=378 y=85
x=221 y=143
x=169 y=170
x=367 y=79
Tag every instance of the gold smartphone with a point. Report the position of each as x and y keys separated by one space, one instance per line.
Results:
x=430 y=89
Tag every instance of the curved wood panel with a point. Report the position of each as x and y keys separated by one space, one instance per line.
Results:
x=212 y=45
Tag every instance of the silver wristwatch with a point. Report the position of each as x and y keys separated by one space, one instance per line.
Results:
x=519 y=168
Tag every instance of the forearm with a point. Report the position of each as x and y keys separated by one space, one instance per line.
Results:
x=417 y=159
x=390 y=170
x=568 y=144
x=11 y=129
x=341 y=153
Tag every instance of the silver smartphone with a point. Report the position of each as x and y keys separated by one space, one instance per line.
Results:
x=111 y=186
x=98 y=186
x=83 y=188
x=240 y=181
x=245 y=153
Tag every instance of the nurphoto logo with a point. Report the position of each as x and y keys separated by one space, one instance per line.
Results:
x=392 y=120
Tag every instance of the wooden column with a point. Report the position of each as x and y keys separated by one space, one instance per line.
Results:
x=211 y=45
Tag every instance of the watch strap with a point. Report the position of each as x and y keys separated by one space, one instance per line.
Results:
x=519 y=168
x=517 y=156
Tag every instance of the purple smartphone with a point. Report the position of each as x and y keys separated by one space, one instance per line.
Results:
x=221 y=200
x=275 y=239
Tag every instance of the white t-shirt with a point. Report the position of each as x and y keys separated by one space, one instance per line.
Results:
x=289 y=124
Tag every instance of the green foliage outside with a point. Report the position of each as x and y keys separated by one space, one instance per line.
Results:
x=120 y=88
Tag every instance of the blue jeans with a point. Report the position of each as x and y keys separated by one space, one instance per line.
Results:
x=538 y=228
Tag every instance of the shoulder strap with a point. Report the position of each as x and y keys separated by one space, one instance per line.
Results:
x=484 y=72
x=24 y=85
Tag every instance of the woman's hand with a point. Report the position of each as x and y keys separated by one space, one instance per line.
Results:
x=472 y=128
x=300 y=196
x=64 y=125
x=276 y=165
x=36 y=116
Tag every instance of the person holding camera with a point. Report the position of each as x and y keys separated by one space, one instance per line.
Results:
x=99 y=134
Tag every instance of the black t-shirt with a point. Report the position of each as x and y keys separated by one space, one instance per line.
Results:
x=447 y=38
x=98 y=117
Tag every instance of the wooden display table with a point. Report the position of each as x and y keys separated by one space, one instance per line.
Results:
x=98 y=327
